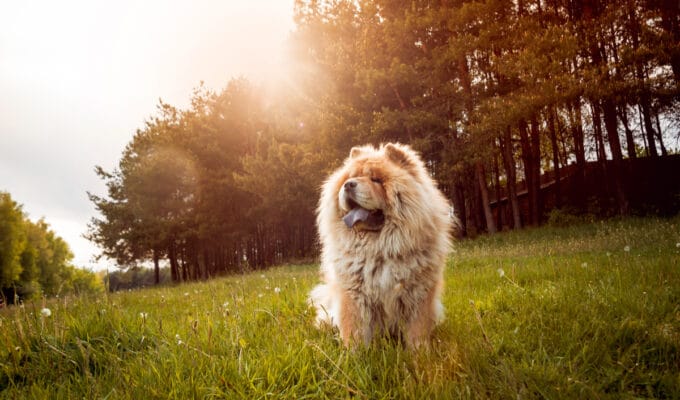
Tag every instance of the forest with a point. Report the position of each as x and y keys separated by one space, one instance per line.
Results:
x=34 y=261
x=501 y=98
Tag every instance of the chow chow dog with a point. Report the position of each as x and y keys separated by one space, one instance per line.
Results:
x=385 y=230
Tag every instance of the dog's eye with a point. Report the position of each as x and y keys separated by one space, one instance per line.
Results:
x=376 y=180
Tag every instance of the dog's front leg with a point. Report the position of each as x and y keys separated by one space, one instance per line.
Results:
x=354 y=322
x=422 y=322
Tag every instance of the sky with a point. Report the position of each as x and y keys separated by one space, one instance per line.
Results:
x=77 y=78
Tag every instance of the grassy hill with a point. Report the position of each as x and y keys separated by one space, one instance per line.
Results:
x=591 y=311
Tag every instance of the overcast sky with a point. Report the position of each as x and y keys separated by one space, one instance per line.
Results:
x=77 y=78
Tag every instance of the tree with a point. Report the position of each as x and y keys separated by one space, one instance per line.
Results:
x=12 y=240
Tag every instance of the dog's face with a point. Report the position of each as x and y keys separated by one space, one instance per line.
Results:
x=371 y=189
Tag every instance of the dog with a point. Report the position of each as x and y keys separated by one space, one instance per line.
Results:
x=385 y=232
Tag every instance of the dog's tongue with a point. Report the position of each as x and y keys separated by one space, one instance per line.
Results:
x=355 y=215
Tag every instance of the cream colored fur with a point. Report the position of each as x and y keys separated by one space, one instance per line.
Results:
x=390 y=281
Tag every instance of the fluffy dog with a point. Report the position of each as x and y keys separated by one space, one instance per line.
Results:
x=385 y=234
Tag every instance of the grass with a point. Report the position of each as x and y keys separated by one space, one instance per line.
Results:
x=590 y=311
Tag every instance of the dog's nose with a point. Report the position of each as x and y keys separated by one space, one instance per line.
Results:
x=349 y=185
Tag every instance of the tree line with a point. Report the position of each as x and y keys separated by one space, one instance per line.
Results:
x=495 y=94
x=34 y=261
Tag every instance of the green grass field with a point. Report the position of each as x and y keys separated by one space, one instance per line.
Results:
x=591 y=311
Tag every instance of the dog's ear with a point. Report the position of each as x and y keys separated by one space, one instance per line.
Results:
x=355 y=152
x=398 y=154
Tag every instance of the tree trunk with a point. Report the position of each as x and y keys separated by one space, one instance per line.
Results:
x=156 y=268
x=484 y=191
x=535 y=194
x=597 y=132
x=527 y=163
x=579 y=152
x=497 y=183
x=609 y=110
x=644 y=93
x=172 y=255
x=659 y=135
x=511 y=173
x=647 y=118
x=556 y=155
x=458 y=199
x=630 y=140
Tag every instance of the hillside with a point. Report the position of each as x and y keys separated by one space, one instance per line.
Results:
x=588 y=311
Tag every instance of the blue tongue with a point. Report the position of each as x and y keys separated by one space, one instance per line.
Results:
x=356 y=215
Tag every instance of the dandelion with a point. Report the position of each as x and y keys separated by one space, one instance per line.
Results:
x=626 y=249
x=501 y=273
x=45 y=312
x=277 y=290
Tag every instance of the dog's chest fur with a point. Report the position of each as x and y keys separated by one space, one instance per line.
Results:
x=381 y=282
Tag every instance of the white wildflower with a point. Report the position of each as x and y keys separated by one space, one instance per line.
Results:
x=677 y=245
x=501 y=273
x=277 y=290
x=260 y=295
x=225 y=304
x=584 y=265
x=626 y=249
x=262 y=276
x=186 y=293
x=45 y=312
x=143 y=315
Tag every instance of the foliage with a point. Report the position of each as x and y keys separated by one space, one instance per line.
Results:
x=134 y=278
x=584 y=311
x=564 y=217
x=500 y=97
x=34 y=261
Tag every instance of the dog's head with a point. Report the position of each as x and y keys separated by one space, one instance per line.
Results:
x=377 y=184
